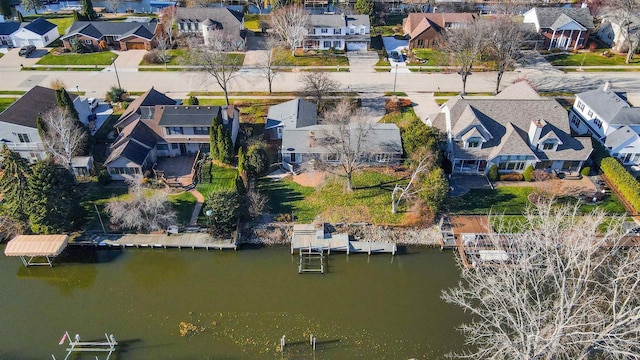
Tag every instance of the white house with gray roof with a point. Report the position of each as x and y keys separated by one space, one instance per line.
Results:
x=206 y=21
x=512 y=130
x=38 y=33
x=608 y=117
x=339 y=32
x=563 y=28
x=291 y=114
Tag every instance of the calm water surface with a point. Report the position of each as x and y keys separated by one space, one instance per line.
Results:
x=242 y=302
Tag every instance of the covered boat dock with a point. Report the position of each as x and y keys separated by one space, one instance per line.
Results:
x=33 y=248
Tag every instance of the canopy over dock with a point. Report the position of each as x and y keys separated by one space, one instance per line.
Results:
x=30 y=247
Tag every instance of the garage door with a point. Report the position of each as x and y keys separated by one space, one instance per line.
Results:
x=356 y=46
x=135 y=46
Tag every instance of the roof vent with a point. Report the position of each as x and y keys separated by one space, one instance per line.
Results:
x=186 y=108
x=197 y=107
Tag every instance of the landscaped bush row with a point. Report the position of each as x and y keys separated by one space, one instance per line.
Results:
x=628 y=186
x=511 y=177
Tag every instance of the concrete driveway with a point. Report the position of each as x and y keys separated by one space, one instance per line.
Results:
x=12 y=60
x=393 y=44
x=129 y=60
x=362 y=61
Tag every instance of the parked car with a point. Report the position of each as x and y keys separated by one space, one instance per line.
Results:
x=26 y=50
x=396 y=56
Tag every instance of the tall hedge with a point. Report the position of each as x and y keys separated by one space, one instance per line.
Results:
x=626 y=184
x=528 y=173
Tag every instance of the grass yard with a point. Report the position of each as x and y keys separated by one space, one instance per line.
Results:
x=93 y=195
x=12 y=92
x=252 y=21
x=402 y=118
x=6 y=102
x=369 y=202
x=64 y=23
x=217 y=178
x=312 y=58
x=433 y=57
x=508 y=200
x=97 y=58
x=588 y=59
x=174 y=58
x=1 y=55
x=183 y=204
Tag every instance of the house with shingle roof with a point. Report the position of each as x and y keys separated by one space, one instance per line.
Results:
x=99 y=35
x=606 y=116
x=38 y=33
x=291 y=114
x=154 y=126
x=512 y=130
x=6 y=30
x=613 y=29
x=205 y=21
x=339 y=32
x=563 y=28
x=426 y=30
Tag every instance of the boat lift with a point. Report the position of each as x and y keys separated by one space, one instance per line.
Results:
x=76 y=345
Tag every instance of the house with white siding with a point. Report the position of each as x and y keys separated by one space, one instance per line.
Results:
x=338 y=32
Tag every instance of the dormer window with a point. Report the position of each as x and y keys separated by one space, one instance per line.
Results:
x=549 y=145
x=352 y=30
x=362 y=29
x=324 y=31
x=473 y=143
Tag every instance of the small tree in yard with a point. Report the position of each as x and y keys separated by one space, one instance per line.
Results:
x=569 y=291
x=143 y=212
x=527 y=174
x=256 y=161
x=63 y=137
x=192 y=100
x=163 y=44
x=318 y=84
x=88 y=11
x=466 y=45
x=269 y=62
x=225 y=208
x=168 y=17
x=225 y=146
x=64 y=101
x=213 y=138
x=116 y=94
x=364 y=7
x=290 y=24
x=13 y=185
x=256 y=203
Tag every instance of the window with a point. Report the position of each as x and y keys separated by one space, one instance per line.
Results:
x=162 y=147
x=326 y=44
x=362 y=29
x=173 y=130
x=436 y=42
x=46 y=38
x=87 y=41
x=352 y=30
x=201 y=130
x=24 y=138
x=580 y=105
x=174 y=146
x=337 y=31
x=598 y=123
x=636 y=158
x=383 y=157
x=337 y=45
x=324 y=31
x=332 y=157
x=473 y=143
x=590 y=114
x=549 y=145
x=511 y=165
x=420 y=43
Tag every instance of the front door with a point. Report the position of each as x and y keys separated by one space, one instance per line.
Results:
x=183 y=149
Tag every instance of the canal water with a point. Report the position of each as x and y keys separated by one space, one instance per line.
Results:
x=238 y=304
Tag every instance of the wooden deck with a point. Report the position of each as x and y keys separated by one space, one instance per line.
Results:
x=180 y=241
x=307 y=237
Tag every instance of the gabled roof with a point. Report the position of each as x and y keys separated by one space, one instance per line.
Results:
x=620 y=137
x=520 y=90
x=149 y=99
x=564 y=20
x=30 y=106
x=549 y=15
x=9 y=27
x=191 y=115
x=221 y=14
x=337 y=20
x=417 y=23
x=98 y=29
x=40 y=26
x=139 y=132
x=129 y=150
x=610 y=106
x=292 y=114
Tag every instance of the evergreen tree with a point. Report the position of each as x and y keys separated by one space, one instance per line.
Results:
x=225 y=147
x=240 y=161
x=41 y=126
x=364 y=7
x=88 y=11
x=193 y=101
x=64 y=101
x=52 y=202
x=13 y=185
x=213 y=140
x=256 y=161
x=5 y=9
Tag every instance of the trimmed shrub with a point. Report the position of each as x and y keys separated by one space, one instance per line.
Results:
x=152 y=57
x=528 y=173
x=493 y=173
x=585 y=171
x=626 y=184
x=192 y=100
x=511 y=177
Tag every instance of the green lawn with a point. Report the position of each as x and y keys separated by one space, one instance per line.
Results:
x=588 y=59
x=216 y=178
x=97 y=58
x=433 y=57
x=64 y=23
x=318 y=58
x=402 y=118
x=174 y=58
x=183 y=204
x=94 y=195
x=252 y=21
x=509 y=200
x=1 y=55
x=370 y=201
x=6 y=102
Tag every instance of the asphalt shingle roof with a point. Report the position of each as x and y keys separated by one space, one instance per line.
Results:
x=9 y=27
x=338 y=21
x=189 y=115
x=98 y=29
x=610 y=106
x=620 y=137
x=291 y=114
x=549 y=15
x=229 y=20
x=40 y=26
x=30 y=106
x=150 y=98
x=130 y=150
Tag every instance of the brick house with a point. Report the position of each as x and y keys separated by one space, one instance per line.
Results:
x=98 y=35
x=426 y=30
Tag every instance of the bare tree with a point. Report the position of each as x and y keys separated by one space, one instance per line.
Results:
x=624 y=13
x=256 y=203
x=269 y=63
x=505 y=40
x=567 y=292
x=163 y=44
x=344 y=135
x=62 y=136
x=290 y=24
x=142 y=211
x=220 y=65
x=424 y=164
x=317 y=84
x=466 y=45
x=114 y=5
x=168 y=18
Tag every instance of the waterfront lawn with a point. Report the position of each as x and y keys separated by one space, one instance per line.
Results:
x=183 y=204
x=370 y=200
x=216 y=178
x=94 y=194
x=6 y=102
x=588 y=59
x=96 y=58
x=509 y=200
x=312 y=58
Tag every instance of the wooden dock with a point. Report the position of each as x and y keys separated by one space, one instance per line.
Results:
x=306 y=236
x=179 y=241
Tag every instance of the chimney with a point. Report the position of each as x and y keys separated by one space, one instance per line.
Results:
x=606 y=87
x=535 y=129
x=230 y=111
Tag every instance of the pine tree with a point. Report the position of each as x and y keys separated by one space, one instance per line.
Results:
x=193 y=101
x=88 y=11
x=240 y=161
x=13 y=185
x=225 y=148
x=64 y=101
x=213 y=138
x=41 y=126
x=52 y=202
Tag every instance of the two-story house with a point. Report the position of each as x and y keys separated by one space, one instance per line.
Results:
x=154 y=126
x=338 y=32
x=608 y=117
x=205 y=21
x=512 y=130
x=562 y=28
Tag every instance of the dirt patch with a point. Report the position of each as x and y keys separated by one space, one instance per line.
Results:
x=310 y=178
x=344 y=214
